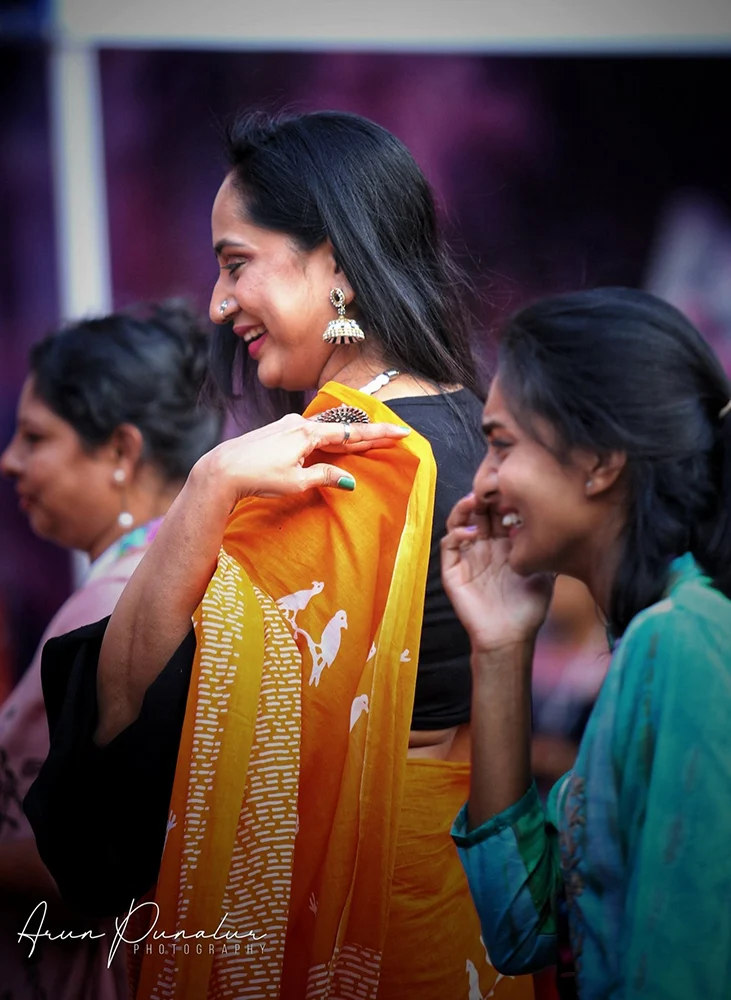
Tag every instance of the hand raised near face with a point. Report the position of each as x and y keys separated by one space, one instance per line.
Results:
x=270 y=461
x=497 y=607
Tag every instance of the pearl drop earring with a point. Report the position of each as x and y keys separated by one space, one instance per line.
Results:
x=125 y=518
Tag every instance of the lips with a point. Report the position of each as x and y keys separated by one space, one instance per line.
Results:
x=255 y=345
x=253 y=337
x=250 y=333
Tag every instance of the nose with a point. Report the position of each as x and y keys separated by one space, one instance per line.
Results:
x=214 y=308
x=10 y=465
x=222 y=305
x=485 y=483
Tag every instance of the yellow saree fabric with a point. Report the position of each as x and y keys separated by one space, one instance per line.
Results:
x=286 y=818
x=433 y=948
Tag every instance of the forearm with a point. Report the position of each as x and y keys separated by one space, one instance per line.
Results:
x=153 y=615
x=501 y=730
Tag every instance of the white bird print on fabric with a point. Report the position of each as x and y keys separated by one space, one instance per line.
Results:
x=406 y=656
x=172 y=821
x=372 y=652
x=493 y=989
x=487 y=954
x=298 y=601
x=475 y=993
x=324 y=652
x=360 y=705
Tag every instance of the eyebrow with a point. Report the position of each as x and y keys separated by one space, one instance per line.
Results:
x=218 y=248
x=492 y=425
x=29 y=424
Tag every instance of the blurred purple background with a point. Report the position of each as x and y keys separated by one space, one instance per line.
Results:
x=553 y=172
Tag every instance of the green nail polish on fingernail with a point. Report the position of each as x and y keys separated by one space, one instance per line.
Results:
x=346 y=483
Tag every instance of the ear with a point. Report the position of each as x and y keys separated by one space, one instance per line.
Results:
x=335 y=272
x=603 y=472
x=125 y=448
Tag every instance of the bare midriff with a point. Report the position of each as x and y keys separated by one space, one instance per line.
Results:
x=440 y=744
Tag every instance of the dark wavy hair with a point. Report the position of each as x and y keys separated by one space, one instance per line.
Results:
x=144 y=369
x=615 y=369
x=331 y=175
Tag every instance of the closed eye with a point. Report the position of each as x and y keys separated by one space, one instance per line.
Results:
x=233 y=267
x=498 y=444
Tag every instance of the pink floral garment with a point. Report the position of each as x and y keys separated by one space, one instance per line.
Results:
x=63 y=970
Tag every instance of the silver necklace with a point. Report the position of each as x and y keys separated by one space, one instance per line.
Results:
x=353 y=414
x=379 y=381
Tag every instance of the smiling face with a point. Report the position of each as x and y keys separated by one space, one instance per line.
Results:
x=278 y=295
x=550 y=514
x=66 y=492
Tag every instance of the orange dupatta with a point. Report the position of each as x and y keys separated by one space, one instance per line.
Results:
x=286 y=800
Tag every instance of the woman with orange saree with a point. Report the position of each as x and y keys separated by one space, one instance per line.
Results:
x=319 y=733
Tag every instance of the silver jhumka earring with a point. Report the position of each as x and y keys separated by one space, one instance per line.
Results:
x=341 y=330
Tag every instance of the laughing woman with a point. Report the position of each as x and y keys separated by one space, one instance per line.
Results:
x=305 y=794
x=609 y=459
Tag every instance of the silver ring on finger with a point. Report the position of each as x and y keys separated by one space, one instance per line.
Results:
x=346 y=433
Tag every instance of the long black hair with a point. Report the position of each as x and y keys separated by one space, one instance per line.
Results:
x=337 y=176
x=615 y=369
x=145 y=369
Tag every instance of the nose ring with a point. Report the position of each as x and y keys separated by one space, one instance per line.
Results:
x=223 y=307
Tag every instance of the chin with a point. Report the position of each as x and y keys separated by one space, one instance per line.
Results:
x=285 y=384
x=526 y=565
x=519 y=566
x=44 y=531
x=37 y=526
x=273 y=380
x=268 y=381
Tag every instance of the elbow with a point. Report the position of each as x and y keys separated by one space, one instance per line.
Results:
x=508 y=965
x=522 y=956
x=115 y=714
